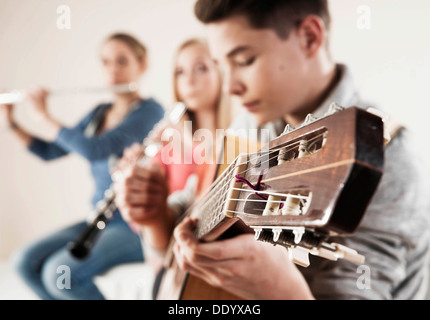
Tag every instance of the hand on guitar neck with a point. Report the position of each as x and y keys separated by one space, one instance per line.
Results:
x=297 y=193
x=240 y=265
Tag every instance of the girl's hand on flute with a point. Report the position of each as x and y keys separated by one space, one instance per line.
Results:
x=6 y=113
x=37 y=98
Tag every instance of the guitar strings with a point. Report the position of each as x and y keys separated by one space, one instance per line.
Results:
x=204 y=201
x=282 y=195
x=291 y=146
x=217 y=182
x=300 y=197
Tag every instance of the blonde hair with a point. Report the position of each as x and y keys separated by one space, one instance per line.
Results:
x=223 y=110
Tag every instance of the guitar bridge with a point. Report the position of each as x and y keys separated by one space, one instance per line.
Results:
x=301 y=242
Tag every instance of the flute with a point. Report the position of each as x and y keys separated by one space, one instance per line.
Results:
x=105 y=209
x=17 y=96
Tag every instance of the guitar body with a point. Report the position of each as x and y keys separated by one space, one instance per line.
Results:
x=305 y=186
x=177 y=284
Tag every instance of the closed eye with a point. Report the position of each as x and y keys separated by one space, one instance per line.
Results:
x=246 y=63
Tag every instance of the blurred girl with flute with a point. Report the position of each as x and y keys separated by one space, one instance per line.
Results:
x=105 y=132
x=197 y=82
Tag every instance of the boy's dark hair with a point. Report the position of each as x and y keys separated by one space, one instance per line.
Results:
x=280 y=15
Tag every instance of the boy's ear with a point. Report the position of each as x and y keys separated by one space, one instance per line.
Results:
x=312 y=34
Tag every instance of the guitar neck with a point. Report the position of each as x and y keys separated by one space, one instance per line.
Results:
x=212 y=210
x=298 y=192
x=215 y=210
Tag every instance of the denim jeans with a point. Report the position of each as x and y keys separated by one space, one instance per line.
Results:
x=42 y=263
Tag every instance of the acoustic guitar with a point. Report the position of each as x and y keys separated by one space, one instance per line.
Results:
x=306 y=186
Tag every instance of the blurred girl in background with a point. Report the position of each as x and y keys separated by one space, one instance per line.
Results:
x=104 y=133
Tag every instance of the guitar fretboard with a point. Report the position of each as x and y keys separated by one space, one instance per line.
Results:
x=210 y=209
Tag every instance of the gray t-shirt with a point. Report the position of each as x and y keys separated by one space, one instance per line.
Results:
x=394 y=233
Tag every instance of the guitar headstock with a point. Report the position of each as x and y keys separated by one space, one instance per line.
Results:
x=312 y=182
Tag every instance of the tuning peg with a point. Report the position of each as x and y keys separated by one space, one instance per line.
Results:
x=276 y=233
x=288 y=129
x=309 y=119
x=334 y=107
x=298 y=234
x=299 y=256
x=257 y=233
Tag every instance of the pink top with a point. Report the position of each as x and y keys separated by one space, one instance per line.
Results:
x=177 y=170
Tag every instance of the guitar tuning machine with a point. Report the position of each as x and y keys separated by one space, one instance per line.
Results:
x=272 y=234
x=299 y=256
x=309 y=119
x=257 y=233
x=296 y=254
x=288 y=129
x=276 y=233
x=334 y=108
x=299 y=245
